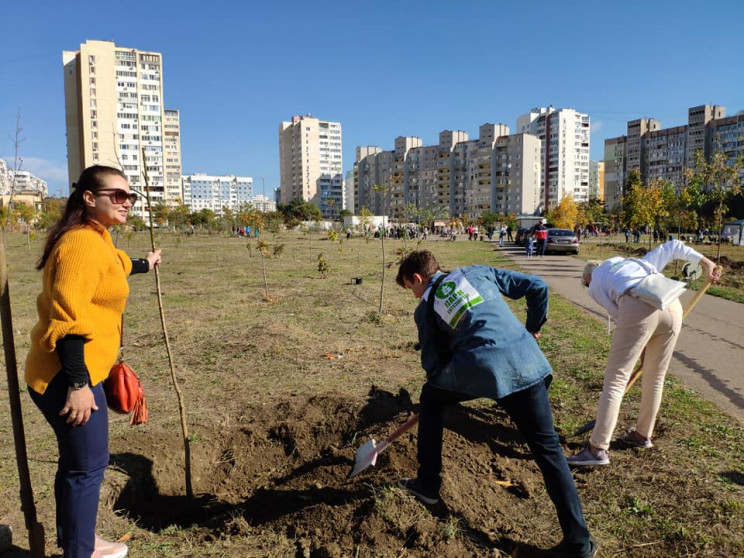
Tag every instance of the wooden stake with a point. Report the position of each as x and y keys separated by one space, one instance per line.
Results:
x=35 y=529
x=174 y=379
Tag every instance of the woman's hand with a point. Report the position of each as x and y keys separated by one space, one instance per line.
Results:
x=80 y=404
x=712 y=271
x=154 y=258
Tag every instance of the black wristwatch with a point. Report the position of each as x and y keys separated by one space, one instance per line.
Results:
x=78 y=385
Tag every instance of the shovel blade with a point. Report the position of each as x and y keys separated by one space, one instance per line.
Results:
x=365 y=456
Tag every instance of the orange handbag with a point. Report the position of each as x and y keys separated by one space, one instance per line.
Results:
x=124 y=391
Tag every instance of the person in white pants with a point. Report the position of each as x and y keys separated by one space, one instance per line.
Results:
x=642 y=332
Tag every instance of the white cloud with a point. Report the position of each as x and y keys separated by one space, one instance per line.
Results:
x=596 y=126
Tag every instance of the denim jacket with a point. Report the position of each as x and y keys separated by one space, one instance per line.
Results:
x=492 y=354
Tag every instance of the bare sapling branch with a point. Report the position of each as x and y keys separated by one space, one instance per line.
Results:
x=174 y=379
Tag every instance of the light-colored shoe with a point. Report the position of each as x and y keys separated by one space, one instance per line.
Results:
x=589 y=458
x=106 y=549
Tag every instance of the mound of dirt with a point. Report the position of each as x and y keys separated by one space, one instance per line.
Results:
x=284 y=473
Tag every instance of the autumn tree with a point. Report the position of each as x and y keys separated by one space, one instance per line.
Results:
x=719 y=179
x=565 y=215
x=649 y=204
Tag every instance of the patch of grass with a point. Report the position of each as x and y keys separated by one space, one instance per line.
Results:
x=451 y=529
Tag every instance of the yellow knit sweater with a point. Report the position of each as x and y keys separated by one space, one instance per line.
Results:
x=84 y=293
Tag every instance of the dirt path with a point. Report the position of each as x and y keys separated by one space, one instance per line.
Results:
x=710 y=350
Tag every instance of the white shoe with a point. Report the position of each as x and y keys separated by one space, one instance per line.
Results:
x=106 y=549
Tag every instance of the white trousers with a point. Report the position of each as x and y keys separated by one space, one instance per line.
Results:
x=639 y=326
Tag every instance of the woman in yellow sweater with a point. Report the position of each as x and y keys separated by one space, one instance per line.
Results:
x=75 y=343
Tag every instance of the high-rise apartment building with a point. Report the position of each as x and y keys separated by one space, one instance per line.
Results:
x=217 y=193
x=664 y=154
x=596 y=180
x=565 y=136
x=172 y=151
x=457 y=177
x=311 y=163
x=115 y=114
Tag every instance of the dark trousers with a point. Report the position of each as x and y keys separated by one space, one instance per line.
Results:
x=83 y=458
x=529 y=409
x=541 y=242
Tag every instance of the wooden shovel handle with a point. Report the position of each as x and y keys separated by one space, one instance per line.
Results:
x=402 y=428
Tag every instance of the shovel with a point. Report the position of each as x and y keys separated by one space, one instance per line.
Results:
x=367 y=454
x=637 y=372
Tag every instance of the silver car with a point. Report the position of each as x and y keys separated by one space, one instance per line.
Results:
x=562 y=240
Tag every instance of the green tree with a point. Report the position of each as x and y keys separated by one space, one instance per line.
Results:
x=160 y=214
x=50 y=213
x=299 y=210
x=720 y=180
x=203 y=218
x=489 y=218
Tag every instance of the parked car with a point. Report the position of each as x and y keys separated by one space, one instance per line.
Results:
x=562 y=240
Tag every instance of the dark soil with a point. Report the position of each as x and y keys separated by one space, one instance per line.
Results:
x=285 y=470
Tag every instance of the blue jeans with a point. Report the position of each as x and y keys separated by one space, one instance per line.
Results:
x=529 y=409
x=83 y=458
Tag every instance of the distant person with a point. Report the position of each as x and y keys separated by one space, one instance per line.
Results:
x=473 y=346
x=642 y=332
x=541 y=237
x=529 y=247
x=627 y=235
x=75 y=343
x=509 y=231
x=502 y=235
x=348 y=233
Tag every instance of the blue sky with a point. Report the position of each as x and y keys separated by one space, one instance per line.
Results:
x=237 y=69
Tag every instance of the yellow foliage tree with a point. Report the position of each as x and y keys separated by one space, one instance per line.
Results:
x=565 y=215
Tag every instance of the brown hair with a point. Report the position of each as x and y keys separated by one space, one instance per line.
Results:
x=422 y=262
x=75 y=213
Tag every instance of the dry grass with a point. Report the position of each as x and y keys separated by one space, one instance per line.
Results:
x=239 y=355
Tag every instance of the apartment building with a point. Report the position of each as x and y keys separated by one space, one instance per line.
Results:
x=457 y=177
x=217 y=193
x=263 y=203
x=115 y=115
x=20 y=182
x=596 y=180
x=310 y=162
x=664 y=153
x=172 y=151
x=565 y=136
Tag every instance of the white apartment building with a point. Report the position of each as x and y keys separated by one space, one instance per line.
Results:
x=172 y=150
x=310 y=162
x=263 y=203
x=458 y=177
x=114 y=109
x=20 y=182
x=565 y=136
x=216 y=193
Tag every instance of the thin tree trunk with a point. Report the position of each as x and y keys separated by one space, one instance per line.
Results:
x=263 y=265
x=35 y=529
x=174 y=379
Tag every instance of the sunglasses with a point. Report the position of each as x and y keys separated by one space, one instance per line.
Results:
x=117 y=195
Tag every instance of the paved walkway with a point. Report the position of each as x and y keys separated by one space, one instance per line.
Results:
x=709 y=356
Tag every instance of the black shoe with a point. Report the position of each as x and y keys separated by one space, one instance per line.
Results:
x=561 y=551
x=414 y=487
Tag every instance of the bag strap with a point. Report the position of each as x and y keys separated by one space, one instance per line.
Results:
x=442 y=338
x=645 y=265
x=121 y=339
x=430 y=300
